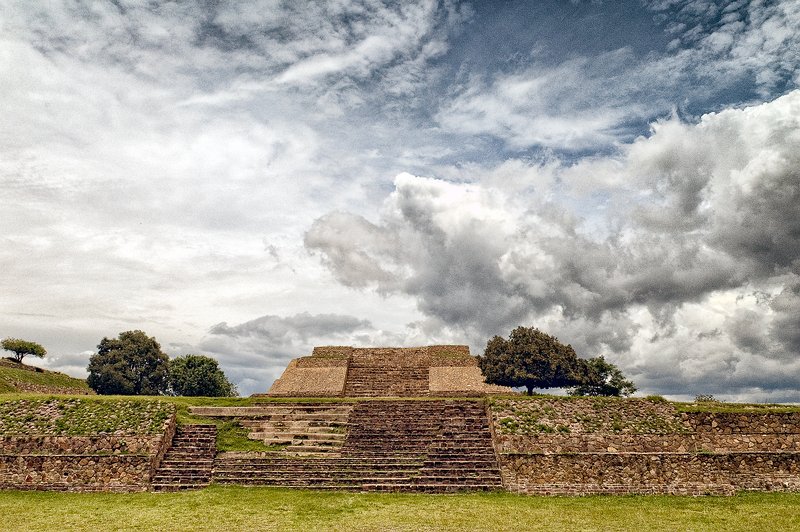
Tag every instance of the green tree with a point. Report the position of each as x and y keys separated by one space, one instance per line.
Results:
x=530 y=358
x=602 y=378
x=199 y=375
x=21 y=348
x=132 y=364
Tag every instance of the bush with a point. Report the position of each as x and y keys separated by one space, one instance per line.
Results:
x=603 y=379
x=198 y=375
x=132 y=364
x=706 y=398
x=530 y=358
x=656 y=399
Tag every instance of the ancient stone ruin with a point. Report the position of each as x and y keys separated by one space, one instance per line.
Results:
x=339 y=371
x=408 y=419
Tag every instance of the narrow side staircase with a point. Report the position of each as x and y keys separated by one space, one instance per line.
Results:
x=189 y=461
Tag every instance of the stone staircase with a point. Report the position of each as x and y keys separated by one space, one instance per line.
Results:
x=452 y=440
x=311 y=472
x=376 y=375
x=430 y=446
x=189 y=461
x=302 y=429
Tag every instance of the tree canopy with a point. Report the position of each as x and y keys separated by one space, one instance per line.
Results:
x=21 y=348
x=132 y=364
x=530 y=358
x=602 y=378
x=198 y=375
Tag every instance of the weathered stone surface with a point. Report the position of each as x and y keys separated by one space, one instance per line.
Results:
x=324 y=380
x=587 y=416
x=400 y=445
x=562 y=446
x=384 y=372
x=669 y=473
x=75 y=472
x=98 y=462
x=101 y=444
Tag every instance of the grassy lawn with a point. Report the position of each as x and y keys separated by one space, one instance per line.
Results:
x=233 y=508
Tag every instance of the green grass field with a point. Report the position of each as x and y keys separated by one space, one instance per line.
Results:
x=233 y=508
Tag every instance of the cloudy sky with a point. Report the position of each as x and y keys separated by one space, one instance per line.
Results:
x=250 y=179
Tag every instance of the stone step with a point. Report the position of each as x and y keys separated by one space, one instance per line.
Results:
x=307 y=425
x=182 y=479
x=335 y=475
x=298 y=417
x=270 y=411
x=307 y=448
x=185 y=464
x=326 y=462
x=180 y=486
x=326 y=436
x=286 y=484
x=188 y=463
x=435 y=446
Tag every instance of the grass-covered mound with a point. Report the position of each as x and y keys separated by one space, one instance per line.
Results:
x=82 y=417
x=17 y=377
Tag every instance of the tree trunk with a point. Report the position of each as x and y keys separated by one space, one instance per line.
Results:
x=530 y=390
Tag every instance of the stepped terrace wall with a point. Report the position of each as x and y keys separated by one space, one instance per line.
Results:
x=82 y=445
x=602 y=445
x=344 y=371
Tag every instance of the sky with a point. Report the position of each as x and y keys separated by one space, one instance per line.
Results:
x=247 y=180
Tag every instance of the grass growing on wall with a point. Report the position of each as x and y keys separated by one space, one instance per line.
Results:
x=73 y=416
x=235 y=508
x=555 y=415
x=736 y=408
x=233 y=437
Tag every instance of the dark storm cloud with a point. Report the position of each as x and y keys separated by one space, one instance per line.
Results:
x=713 y=208
x=786 y=323
x=747 y=330
x=276 y=329
x=255 y=352
x=453 y=271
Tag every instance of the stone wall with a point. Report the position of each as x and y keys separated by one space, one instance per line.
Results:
x=644 y=473
x=646 y=443
x=116 y=461
x=593 y=445
x=75 y=472
x=99 y=444
x=332 y=351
